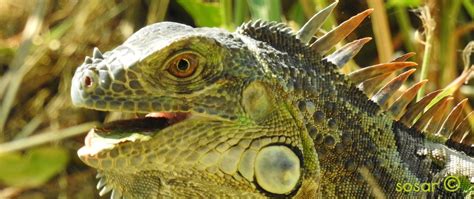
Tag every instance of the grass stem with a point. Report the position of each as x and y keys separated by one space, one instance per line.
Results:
x=381 y=30
x=32 y=29
x=226 y=14
x=405 y=27
x=429 y=25
x=45 y=137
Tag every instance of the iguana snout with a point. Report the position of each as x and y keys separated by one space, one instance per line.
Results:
x=104 y=80
x=171 y=70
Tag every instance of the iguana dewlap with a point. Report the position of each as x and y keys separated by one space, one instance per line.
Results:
x=264 y=112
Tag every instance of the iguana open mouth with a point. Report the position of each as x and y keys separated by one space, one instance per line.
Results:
x=152 y=122
x=129 y=130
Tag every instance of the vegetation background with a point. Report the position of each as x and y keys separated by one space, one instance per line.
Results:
x=43 y=41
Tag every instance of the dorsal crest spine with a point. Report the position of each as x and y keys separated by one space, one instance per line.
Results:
x=278 y=35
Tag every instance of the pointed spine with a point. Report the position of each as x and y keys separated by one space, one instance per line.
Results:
x=312 y=26
x=390 y=88
x=88 y=60
x=96 y=54
x=438 y=117
x=427 y=118
x=101 y=183
x=105 y=190
x=404 y=57
x=417 y=108
x=373 y=84
x=115 y=194
x=347 y=52
x=333 y=37
x=452 y=120
x=376 y=70
x=468 y=140
x=398 y=107
x=462 y=129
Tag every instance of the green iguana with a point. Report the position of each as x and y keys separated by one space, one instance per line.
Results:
x=264 y=112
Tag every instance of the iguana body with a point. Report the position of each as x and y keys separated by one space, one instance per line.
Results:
x=255 y=113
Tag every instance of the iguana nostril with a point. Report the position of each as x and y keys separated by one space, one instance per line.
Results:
x=88 y=82
x=90 y=79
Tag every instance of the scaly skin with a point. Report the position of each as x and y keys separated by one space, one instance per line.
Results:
x=262 y=120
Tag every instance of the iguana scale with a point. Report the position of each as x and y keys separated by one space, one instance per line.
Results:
x=264 y=112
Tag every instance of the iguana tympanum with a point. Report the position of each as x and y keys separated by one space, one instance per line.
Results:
x=264 y=112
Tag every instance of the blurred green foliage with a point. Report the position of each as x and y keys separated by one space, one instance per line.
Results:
x=34 y=167
x=268 y=10
x=404 y=3
x=204 y=14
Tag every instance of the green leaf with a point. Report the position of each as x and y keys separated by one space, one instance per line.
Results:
x=204 y=13
x=469 y=5
x=240 y=12
x=226 y=13
x=403 y=3
x=267 y=10
x=6 y=55
x=33 y=168
x=296 y=14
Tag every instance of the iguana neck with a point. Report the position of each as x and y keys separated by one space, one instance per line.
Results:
x=350 y=132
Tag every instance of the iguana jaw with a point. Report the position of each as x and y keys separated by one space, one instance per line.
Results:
x=102 y=140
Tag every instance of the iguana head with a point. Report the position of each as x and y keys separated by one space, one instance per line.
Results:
x=218 y=124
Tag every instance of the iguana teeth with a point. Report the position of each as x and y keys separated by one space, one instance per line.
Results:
x=426 y=118
x=99 y=175
x=347 y=52
x=105 y=190
x=373 y=84
x=414 y=110
x=312 y=26
x=333 y=37
x=453 y=119
x=101 y=183
x=95 y=143
x=404 y=57
x=402 y=102
x=372 y=71
x=382 y=96
x=96 y=54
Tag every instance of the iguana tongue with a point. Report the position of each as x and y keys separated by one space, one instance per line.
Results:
x=173 y=117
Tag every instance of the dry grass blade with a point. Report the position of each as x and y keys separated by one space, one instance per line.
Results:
x=32 y=29
x=45 y=137
x=429 y=25
x=381 y=30
x=157 y=11
x=462 y=79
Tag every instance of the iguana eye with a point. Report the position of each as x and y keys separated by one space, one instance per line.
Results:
x=183 y=65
